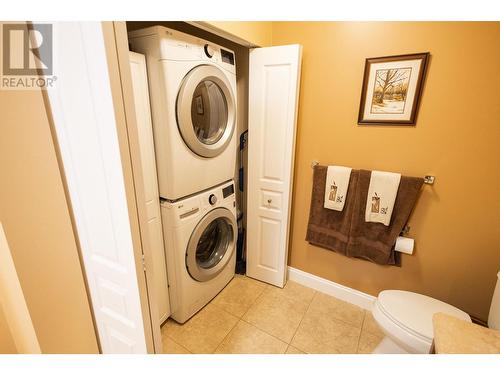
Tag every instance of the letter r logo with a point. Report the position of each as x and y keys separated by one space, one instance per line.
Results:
x=27 y=51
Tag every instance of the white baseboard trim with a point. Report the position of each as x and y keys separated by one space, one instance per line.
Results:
x=331 y=288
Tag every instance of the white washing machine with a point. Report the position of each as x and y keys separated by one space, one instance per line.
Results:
x=200 y=240
x=193 y=98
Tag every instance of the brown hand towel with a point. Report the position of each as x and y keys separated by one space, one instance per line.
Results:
x=375 y=241
x=330 y=228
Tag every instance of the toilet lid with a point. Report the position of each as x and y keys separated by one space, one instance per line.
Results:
x=414 y=311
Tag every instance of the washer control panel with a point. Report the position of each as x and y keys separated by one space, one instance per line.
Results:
x=198 y=205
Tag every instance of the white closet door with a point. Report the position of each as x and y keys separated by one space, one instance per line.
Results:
x=274 y=80
x=84 y=121
x=154 y=229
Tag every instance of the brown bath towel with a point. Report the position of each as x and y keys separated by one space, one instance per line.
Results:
x=330 y=228
x=375 y=241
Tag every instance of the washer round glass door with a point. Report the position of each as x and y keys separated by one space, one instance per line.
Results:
x=211 y=245
x=206 y=111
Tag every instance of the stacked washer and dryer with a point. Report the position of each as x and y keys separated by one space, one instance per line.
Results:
x=192 y=86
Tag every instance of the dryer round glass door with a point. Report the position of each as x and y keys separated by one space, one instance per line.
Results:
x=211 y=245
x=206 y=111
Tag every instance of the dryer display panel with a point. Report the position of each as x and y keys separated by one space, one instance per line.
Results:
x=227 y=56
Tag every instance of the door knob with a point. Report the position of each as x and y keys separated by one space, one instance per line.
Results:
x=269 y=201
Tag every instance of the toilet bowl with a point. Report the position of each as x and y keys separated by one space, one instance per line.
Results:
x=406 y=319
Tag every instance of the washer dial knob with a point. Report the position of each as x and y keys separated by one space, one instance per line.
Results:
x=212 y=199
x=209 y=51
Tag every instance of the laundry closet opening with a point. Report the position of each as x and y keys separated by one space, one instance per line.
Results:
x=190 y=92
x=187 y=94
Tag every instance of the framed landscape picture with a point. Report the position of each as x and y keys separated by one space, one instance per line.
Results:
x=392 y=87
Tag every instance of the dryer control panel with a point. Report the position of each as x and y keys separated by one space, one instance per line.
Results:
x=178 y=46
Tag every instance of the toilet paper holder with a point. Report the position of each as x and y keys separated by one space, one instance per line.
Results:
x=428 y=179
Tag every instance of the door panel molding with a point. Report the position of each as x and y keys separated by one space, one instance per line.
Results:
x=85 y=125
x=272 y=119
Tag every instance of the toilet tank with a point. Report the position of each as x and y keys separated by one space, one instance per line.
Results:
x=494 y=315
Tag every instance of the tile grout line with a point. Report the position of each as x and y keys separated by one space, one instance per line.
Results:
x=238 y=317
x=254 y=326
x=360 y=332
x=267 y=286
x=291 y=300
x=261 y=329
x=231 y=330
x=339 y=320
x=334 y=319
x=204 y=307
x=265 y=290
x=171 y=338
x=254 y=301
x=227 y=334
x=221 y=307
x=233 y=315
x=301 y=319
x=267 y=333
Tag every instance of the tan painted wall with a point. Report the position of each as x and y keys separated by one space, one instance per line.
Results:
x=35 y=216
x=455 y=223
x=457 y=251
x=257 y=32
x=7 y=345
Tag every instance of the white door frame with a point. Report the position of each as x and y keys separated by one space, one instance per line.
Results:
x=84 y=122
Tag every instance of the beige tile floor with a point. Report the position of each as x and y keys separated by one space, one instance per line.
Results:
x=252 y=317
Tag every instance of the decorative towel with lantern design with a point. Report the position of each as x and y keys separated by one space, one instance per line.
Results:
x=382 y=194
x=329 y=228
x=336 y=187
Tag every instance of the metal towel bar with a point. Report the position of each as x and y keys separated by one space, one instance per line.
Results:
x=429 y=180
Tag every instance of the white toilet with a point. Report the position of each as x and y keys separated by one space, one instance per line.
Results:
x=406 y=319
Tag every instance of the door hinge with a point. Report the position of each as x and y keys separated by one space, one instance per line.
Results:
x=143 y=262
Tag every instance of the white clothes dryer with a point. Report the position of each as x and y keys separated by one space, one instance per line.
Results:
x=200 y=234
x=193 y=98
